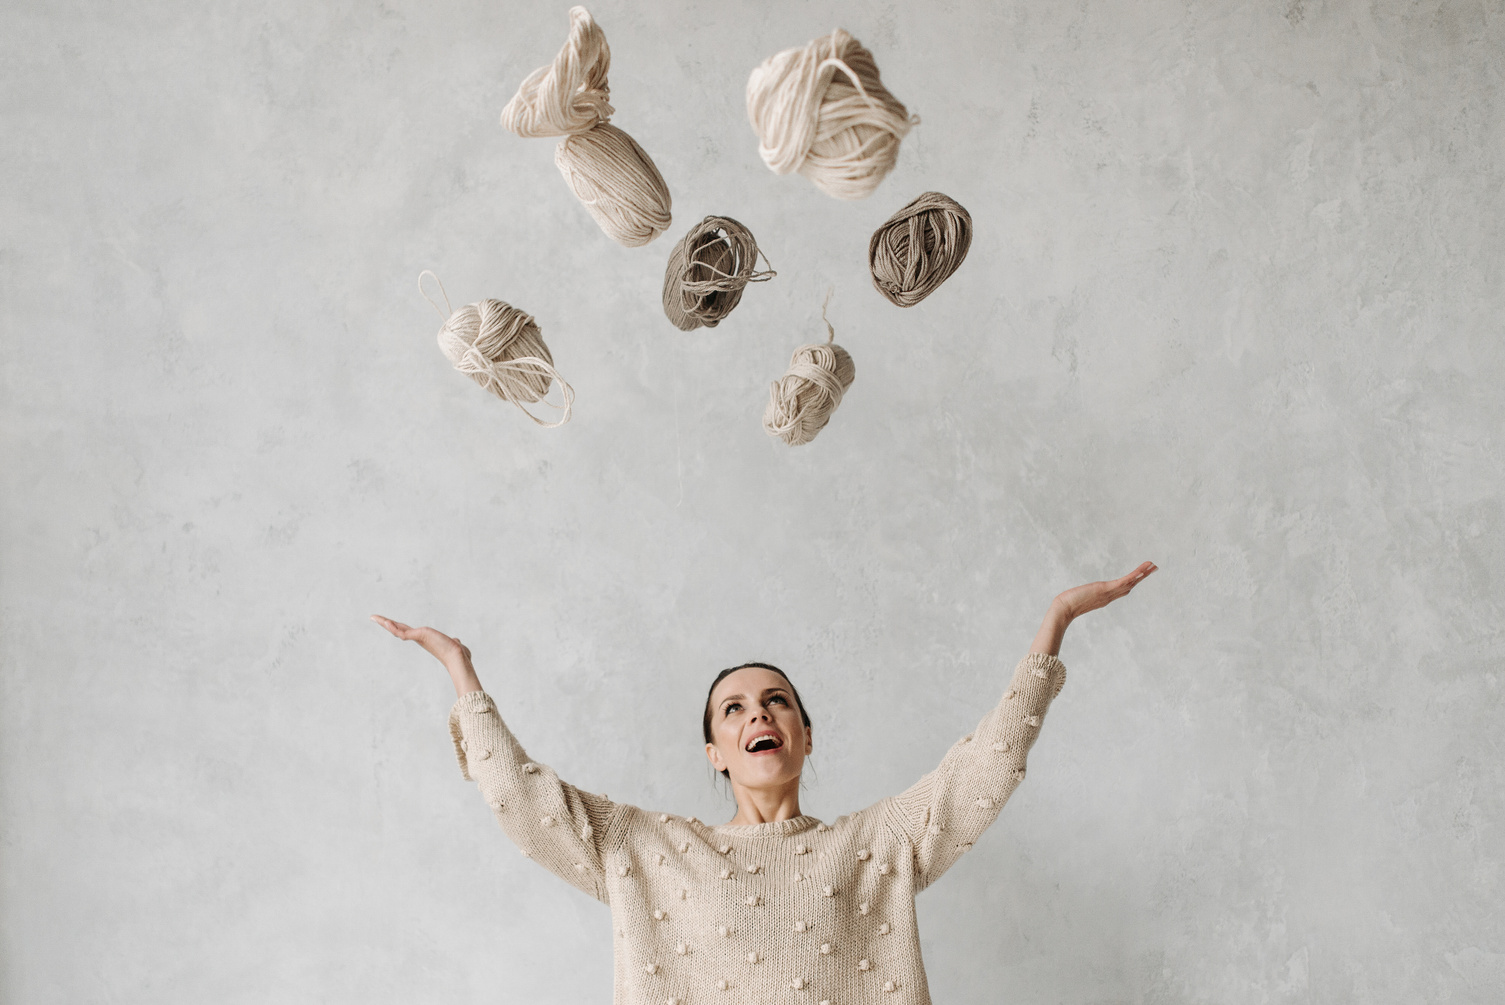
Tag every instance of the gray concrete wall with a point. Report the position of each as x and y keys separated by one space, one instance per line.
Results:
x=1233 y=305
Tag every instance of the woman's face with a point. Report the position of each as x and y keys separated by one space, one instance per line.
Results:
x=757 y=733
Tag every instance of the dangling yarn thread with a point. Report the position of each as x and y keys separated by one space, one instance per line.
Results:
x=801 y=402
x=605 y=168
x=821 y=110
x=502 y=349
x=708 y=270
x=919 y=248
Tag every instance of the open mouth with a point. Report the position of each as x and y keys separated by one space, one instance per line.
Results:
x=763 y=743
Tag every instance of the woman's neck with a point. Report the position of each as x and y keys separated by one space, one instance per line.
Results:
x=766 y=806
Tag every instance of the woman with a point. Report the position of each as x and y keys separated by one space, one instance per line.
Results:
x=774 y=906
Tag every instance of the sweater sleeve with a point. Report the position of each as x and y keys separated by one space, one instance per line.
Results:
x=946 y=811
x=551 y=821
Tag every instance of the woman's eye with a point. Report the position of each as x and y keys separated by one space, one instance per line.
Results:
x=780 y=699
x=732 y=707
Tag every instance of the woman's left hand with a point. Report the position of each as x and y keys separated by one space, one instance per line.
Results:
x=1080 y=599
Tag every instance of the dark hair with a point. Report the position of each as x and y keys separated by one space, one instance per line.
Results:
x=705 y=722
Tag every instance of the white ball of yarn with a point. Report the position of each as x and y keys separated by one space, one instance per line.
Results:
x=502 y=349
x=569 y=95
x=802 y=401
x=822 y=110
x=605 y=168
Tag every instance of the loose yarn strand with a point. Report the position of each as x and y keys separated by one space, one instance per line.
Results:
x=708 y=270
x=502 y=349
x=919 y=248
x=613 y=177
x=803 y=400
x=448 y=310
x=530 y=365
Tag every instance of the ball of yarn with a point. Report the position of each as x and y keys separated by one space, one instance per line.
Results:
x=821 y=110
x=605 y=168
x=802 y=401
x=502 y=349
x=919 y=248
x=707 y=272
x=618 y=183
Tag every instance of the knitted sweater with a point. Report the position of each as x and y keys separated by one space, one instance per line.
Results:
x=797 y=911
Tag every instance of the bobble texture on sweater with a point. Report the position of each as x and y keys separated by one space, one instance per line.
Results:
x=761 y=910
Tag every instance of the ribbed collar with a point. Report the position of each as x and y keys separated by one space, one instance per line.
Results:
x=774 y=828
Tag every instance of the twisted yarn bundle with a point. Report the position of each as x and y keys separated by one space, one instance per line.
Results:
x=919 y=248
x=821 y=110
x=707 y=272
x=802 y=401
x=605 y=168
x=502 y=349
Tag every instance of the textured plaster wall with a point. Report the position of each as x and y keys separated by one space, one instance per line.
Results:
x=1234 y=304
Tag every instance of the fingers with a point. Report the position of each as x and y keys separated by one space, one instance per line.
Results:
x=1114 y=589
x=397 y=628
x=426 y=637
x=1134 y=578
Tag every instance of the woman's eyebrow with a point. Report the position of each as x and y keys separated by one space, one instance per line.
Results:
x=765 y=692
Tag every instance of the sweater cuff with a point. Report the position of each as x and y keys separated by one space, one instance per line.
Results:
x=475 y=702
x=472 y=703
x=1048 y=668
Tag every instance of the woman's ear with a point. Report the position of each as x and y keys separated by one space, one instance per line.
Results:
x=714 y=756
x=809 y=741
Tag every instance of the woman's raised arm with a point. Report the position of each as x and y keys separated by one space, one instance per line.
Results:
x=948 y=809
x=556 y=824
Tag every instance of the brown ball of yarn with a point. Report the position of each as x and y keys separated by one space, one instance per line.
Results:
x=707 y=272
x=502 y=349
x=821 y=109
x=802 y=401
x=605 y=168
x=919 y=248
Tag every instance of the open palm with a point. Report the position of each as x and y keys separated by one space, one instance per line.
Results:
x=1080 y=599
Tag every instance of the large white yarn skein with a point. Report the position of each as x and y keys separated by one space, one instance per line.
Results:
x=605 y=168
x=821 y=110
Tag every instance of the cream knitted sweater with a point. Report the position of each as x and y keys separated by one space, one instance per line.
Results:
x=798 y=911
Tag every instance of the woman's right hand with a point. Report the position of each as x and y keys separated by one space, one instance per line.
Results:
x=450 y=651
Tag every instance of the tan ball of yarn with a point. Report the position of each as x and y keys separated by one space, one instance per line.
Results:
x=919 y=248
x=502 y=349
x=618 y=183
x=707 y=272
x=802 y=401
x=821 y=110
x=605 y=168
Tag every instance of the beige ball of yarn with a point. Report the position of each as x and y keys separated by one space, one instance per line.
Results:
x=803 y=400
x=821 y=110
x=707 y=272
x=919 y=248
x=605 y=168
x=502 y=349
x=618 y=183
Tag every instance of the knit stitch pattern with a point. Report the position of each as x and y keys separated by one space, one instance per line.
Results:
x=797 y=911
